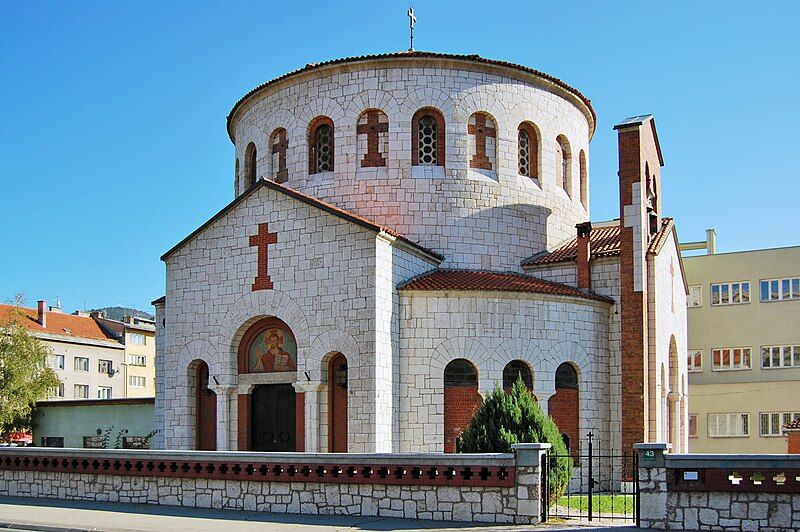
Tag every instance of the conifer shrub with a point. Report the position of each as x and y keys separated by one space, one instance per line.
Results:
x=504 y=419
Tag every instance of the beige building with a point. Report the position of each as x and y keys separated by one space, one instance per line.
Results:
x=137 y=334
x=744 y=347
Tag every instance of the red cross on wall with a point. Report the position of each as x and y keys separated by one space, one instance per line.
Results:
x=262 y=240
x=372 y=129
x=281 y=175
x=481 y=130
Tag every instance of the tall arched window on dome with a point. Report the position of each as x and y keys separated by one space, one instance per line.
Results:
x=427 y=138
x=320 y=145
x=564 y=164
x=250 y=166
x=528 y=150
x=584 y=184
x=482 y=133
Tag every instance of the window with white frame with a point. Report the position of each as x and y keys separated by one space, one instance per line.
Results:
x=81 y=391
x=58 y=391
x=780 y=289
x=104 y=392
x=780 y=356
x=693 y=425
x=730 y=358
x=137 y=338
x=137 y=360
x=105 y=366
x=730 y=293
x=772 y=422
x=694 y=361
x=58 y=361
x=728 y=425
x=81 y=364
x=695 y=298
x=136 y=381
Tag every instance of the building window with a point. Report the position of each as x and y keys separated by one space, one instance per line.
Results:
x=52 y=441
x=695 y=298
x=482 y=143
x=104 y=392
x=584 y=179
x=58 y=361
x=320 y=144
x=81 y=364
x=772 y=422
x=460 y=372
x=105 y=366
x=528 y=148
x=427 y=138
x=250 y=165
x=280 y=144
x=58 y=391
x=81 y=391
x=693 y=425
x=137 y=339
x=563 y=164
x=137 y=382
x=92 y=442
x=728 y=425
x=730 y=293
x=780 y=356
x=780 y=289
x=137 y=360
x=515 y=370
x=730 y=358
x=694 y=361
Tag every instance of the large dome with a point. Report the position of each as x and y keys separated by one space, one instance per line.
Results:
x=484 y=161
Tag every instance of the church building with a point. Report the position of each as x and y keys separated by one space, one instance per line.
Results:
x=409 y=231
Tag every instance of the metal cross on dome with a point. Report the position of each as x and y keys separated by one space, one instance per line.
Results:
x=411 y=20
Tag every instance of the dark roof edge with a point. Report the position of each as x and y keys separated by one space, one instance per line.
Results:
x=99 y=402
x=160 y=301
x=417 y=55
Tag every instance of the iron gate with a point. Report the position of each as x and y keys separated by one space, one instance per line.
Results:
x=602 y=486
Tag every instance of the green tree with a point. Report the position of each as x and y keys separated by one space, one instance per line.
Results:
x=24 y=375
x=504 y=419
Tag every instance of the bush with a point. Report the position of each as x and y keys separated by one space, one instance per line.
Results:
x=505 y=419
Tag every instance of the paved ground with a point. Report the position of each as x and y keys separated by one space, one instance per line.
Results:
x=17 y=513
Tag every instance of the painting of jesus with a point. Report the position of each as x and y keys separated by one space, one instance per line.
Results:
x=273 y=350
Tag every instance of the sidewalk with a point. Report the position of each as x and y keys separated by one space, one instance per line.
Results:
x=50 y=515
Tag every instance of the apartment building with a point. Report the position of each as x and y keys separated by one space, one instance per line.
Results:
x=743 y=347
x=138 y=335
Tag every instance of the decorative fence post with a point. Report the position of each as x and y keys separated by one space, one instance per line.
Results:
x=652 y=475
x=528 y=458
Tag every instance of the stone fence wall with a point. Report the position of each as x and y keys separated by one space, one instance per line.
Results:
x=494 y=488
x=718 y=491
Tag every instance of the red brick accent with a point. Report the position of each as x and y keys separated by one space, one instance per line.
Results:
x=440 y=145
x=337 y=409
x=533 y=149
x=300 y=421
x=243 y=422
x=312 y=142
x=584 y=255
x=563 y=408
x=460 y=403
x=372 y=129
x=279 y=146
x=481 y=130
x=263 y=239
x=206 y=412
x=793 y=441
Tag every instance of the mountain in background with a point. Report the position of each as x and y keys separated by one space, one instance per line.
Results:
x=117 y=313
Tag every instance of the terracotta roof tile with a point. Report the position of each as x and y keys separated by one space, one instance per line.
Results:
x=57 y=323
x=486 y=281
x=605 y=243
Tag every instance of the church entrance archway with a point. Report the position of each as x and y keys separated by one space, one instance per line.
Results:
x=272 y=418
x=461 y=399
x=337 y=404
x=205 y=410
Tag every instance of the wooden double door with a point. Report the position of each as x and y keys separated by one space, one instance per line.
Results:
x=272 y=418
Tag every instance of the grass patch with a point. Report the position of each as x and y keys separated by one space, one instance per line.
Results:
x=601 y=504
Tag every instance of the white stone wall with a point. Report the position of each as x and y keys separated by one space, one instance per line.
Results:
x=490 y=330
x=476 y=221
x=158 y=441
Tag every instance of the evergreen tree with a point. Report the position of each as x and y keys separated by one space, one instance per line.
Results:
x=504 y=419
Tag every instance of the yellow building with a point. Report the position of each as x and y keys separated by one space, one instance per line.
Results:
x=743 y=348
x=138 y=335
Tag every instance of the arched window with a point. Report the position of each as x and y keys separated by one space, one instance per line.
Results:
x=427 y=138
x=250 y=166
x=278 y=145
x=372 y=138
x=564 y=164
x=566 y=377
x=528 y=150
x=460 y=372
x=461 y=399
x=482 y=133
x=513 y=371
x=320 y=145
x=584 y=179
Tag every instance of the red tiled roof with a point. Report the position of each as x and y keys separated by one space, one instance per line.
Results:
x=486 y=281
x=309 y=200
x=605 y=243
x=57 y=323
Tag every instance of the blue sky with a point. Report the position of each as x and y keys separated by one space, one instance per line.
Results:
x=113 y=143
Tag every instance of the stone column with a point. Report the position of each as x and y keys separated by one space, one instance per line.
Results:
x=528 y=458
x=224 y=392
x=652 y=483
x=311 y=389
